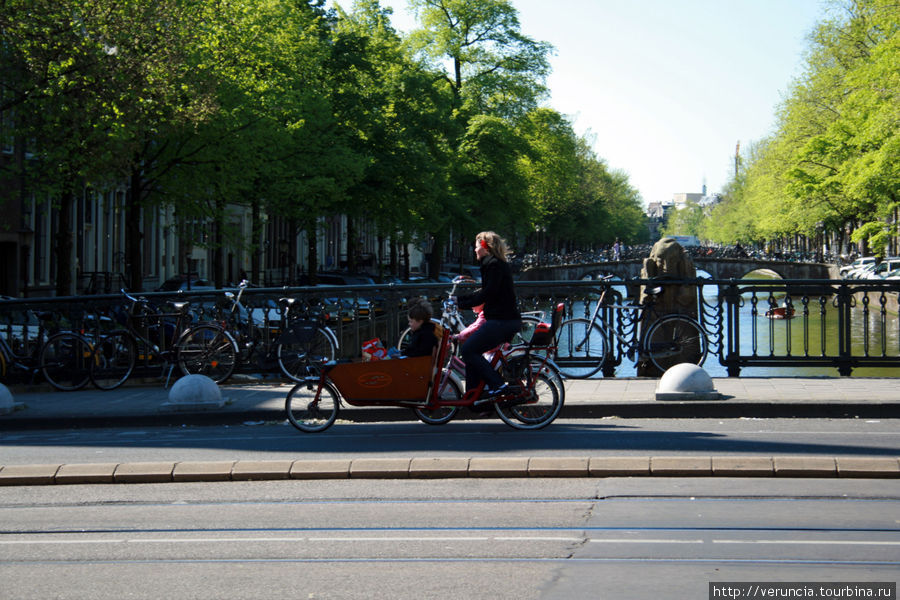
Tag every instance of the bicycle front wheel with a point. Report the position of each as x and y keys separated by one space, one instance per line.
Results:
x=675 y=339
x=448 y=391
x=300 y=360
x=537 y=408
x=207 y=350
x=65 y=361
x=581 y=348
x=312 y=410
x=113 y=360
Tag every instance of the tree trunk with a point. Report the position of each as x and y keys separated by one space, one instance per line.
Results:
x=256 y=229
x=133 y=236
x=395 y=270
x=218 y=243
x=64 y=255
x=351 y=246
x=312 y=258
x=437 y=252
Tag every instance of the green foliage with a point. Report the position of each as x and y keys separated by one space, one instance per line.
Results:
x=496 y=69
x=306 y=112
x=835 y=156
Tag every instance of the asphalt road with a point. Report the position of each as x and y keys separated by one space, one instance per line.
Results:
x=519 y=539
x=273 y=440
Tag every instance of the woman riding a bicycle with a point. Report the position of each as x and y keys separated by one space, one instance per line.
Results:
x=502 y=318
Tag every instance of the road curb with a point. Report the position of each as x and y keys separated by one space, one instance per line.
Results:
x=453 y=468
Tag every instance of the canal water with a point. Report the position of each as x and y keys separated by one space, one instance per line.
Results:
x=872 y=334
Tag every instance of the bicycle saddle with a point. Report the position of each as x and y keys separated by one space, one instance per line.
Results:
x=179 y=306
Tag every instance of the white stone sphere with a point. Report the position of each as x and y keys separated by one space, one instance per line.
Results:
x=686 y=381
x=195 y=389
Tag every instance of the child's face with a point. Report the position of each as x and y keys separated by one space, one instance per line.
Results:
x=414 y=324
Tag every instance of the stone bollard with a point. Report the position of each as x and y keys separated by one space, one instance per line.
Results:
x=193 y=393
x=686 y=381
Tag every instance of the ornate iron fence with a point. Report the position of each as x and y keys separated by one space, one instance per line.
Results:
x=839 y=324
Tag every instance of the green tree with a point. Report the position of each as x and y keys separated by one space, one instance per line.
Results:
x=550 y=167
x=494 y=68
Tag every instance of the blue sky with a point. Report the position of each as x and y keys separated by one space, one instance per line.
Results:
x=667 y=88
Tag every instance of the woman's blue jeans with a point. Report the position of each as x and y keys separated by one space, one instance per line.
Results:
x=487 y=337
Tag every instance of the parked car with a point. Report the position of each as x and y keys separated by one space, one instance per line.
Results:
x=860 y=262
x=881 y=270
x=473 y=271
x=180 y=283
x=861 y=272
x=340 y=278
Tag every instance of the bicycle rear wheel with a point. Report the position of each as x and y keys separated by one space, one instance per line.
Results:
x=300 y=360
x=537 y=408
x=65 y=361
x=113 y=360
x=311 y=412
x=581 y=348
x=675 y=339
x=207 y=350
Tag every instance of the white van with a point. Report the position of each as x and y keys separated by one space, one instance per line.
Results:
x=882 y=269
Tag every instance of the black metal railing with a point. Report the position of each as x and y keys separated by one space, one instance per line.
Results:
x=838 y=324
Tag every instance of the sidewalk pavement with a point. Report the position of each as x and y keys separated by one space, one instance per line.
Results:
x=44 y=408
x=136 y=406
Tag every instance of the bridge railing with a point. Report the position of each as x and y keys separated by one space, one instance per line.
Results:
x=838 y=325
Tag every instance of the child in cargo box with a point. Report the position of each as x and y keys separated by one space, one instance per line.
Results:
x=423 y=340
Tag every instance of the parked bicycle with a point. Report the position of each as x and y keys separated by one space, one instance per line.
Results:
x=161 y=339
x=583 y=345
x=40 y=348
x=297 y=343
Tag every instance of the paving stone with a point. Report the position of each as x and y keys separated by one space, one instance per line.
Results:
x=805 y=466
x=87 y=473
x=678 y=466
x=144 y=472
x=260 y=470
x=562 y=466
x=868 y=467
x=379 y=468
x=443 y=467
x=28 y=474
x=320 y=469
x=619 y=466
x=203 y=470
x=743 y=466
x=498 y=467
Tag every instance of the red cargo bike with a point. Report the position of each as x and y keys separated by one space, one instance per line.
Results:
x=432 y=390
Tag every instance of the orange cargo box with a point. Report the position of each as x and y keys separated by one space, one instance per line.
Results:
x=395 y=379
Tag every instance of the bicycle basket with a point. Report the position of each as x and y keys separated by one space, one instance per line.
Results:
x=300 y=331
